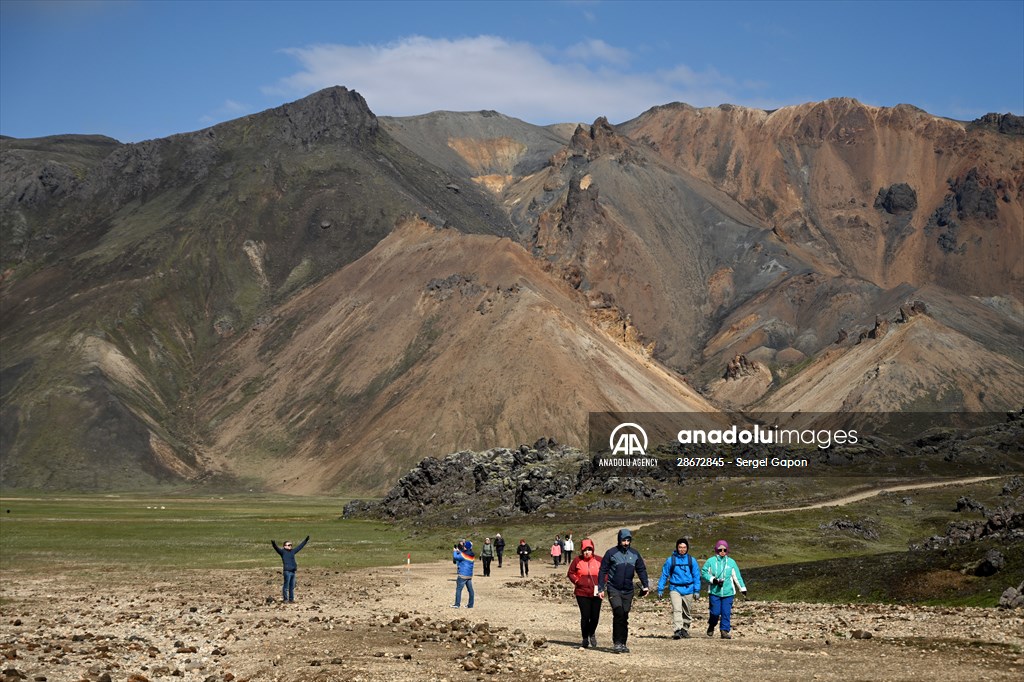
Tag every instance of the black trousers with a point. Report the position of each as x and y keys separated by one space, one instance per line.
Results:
x=487 y=565
x=524 y=567
x=500 y=552
x=590 y=614
x=621 y=603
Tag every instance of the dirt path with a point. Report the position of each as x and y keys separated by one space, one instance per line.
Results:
x=857 y=497
x=608 y=536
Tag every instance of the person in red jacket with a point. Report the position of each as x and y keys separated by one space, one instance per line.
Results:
x=583 y=573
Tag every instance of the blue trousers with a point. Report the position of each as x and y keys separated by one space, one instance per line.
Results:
x=466 y=582
x=288 y=587
x=720 y=607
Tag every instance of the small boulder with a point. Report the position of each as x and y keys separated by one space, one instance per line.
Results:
x=990 y=564
x=1012 y=598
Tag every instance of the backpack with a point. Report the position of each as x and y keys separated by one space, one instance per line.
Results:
x=675 y=563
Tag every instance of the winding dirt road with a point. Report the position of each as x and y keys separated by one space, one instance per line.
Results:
x=608 y=536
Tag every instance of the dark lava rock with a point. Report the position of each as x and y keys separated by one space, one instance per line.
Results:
x=897 y=198
x=973 y=198
x=1007 y=124
x=1012 y=598
x=992 y=563
x=968 y=504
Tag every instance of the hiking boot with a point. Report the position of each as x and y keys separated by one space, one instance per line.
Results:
x=726 y=635
x=593 y=641
x=684 y=634
x=456 y=606
x=586 y=643
x=711 y=631
x=677 y=634
x=617 y=648
x=623 y=649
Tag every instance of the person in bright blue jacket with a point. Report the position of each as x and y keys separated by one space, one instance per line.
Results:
x=681 y=574
x=725 y=580
x=463 y=557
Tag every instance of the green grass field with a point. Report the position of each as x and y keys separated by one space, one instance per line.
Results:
x=174 y=532
x=158 y=533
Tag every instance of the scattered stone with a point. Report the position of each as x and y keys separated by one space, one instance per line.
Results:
x=968 y=504
x=912 y=309
x=990 y=564
x=1012 y=598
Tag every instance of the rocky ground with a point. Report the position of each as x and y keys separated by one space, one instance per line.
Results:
x=398 y=624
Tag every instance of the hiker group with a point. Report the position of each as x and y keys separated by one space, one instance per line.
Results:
x=596 y=577
x=613 y=576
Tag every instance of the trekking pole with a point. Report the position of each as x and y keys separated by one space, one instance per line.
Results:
x=408 y=567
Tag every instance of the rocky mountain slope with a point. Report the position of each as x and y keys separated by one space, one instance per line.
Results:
x=312 y=298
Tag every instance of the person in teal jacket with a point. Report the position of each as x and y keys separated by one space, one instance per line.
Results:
x=724 y=580
x=681 y=574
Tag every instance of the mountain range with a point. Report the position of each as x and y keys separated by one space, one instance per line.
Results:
x=313 y=298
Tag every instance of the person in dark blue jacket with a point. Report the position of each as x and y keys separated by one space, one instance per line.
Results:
x=288 y=559
x=618 y=566
x=681 y=573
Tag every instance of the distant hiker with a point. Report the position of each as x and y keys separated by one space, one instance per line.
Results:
x=724 y=577
x=583 y=573
x=499 y=547
x=463 y=556
x=681 y=573
x=523 y=550
x=618 y=566
x=567 y=548
x=556 y=551
x=288 y=560
x=487 y=554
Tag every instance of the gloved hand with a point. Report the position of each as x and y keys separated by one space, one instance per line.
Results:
x=744 y=592
x=717 y=581
x=661 y=595
x=696 y=596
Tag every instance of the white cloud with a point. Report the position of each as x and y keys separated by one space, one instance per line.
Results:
x=598 y=50
x=229 y=109
x=417 y=75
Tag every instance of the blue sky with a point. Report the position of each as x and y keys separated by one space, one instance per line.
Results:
x=138 y=69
